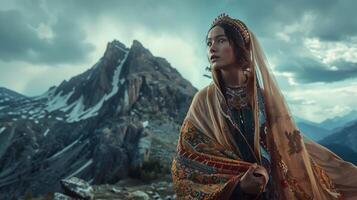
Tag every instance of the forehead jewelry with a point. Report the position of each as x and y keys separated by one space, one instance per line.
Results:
x=235 y=23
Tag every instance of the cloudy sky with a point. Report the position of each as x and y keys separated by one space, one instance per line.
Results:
x=311 y=44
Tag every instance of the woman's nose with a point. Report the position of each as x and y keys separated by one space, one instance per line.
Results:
x=212 y=48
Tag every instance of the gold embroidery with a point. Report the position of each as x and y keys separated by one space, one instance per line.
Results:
x=287 y=179
x=325 y=180
x=294 y=141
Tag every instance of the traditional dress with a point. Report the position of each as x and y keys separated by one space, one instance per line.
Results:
x=218 y=143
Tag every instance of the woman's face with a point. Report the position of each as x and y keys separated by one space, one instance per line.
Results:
x=219 y=50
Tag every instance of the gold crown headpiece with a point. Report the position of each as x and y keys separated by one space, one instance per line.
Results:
x=238 y=25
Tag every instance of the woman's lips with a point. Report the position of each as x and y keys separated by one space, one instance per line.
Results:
x=214 y=58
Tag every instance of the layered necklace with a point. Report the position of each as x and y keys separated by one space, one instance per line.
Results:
x=236 y=96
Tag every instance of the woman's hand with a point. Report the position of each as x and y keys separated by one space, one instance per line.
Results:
x=254 y=180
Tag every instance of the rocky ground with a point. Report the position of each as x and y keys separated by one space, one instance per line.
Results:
x=127 y=189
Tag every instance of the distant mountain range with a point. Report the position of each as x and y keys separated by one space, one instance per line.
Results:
x=319 y=131
x=339 y=122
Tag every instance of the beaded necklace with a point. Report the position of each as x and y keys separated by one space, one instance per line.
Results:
x=236 y=97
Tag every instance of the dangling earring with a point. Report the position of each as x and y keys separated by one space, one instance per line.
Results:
x=246 y=75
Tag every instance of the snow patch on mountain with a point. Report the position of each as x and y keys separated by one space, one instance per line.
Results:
x=64 y=149
x=78 y=113
x=58 y=101
x=89 y=162
x=2 y=129
x=46 y=132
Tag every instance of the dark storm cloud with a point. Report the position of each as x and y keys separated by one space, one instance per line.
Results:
x=344 y=70
x=169 y=16
x=295 y=58
x=20 y=40
x=333 y=20
x=308 y=70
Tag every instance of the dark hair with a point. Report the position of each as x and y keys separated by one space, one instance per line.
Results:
x=235 y=38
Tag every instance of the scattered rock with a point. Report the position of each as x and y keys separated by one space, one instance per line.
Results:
x=140 y=195
x=60 y=196
x=168 y=198
x=115 y=190
x=156 y=196
x=77 y=188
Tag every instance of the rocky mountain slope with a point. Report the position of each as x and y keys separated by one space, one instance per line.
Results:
x=103 y=125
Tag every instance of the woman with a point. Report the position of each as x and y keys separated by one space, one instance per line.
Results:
x=239 y=141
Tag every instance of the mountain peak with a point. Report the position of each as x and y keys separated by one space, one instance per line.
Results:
x=9 y=94
x=116 y=43
x=138 y=49
x=136 y=43
x=113 y=50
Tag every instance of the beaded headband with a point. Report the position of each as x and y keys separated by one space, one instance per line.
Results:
x=238 y=25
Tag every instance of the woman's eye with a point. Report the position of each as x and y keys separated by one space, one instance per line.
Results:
x=209 y=43
x=221 y=40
